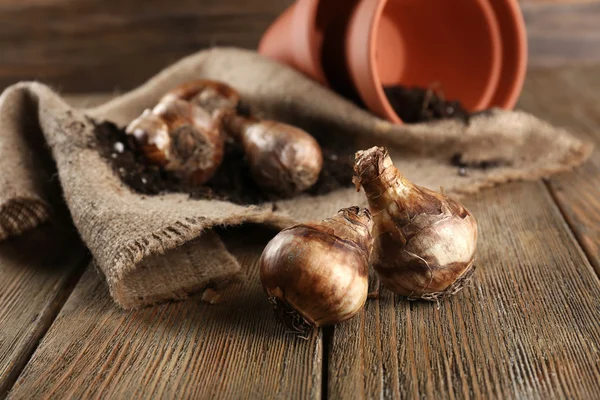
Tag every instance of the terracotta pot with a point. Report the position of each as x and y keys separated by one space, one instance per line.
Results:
x=472 y=50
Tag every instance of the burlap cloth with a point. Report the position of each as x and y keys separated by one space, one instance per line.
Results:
x=154 y=248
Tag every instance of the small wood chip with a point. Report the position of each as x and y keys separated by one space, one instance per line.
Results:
x=211 y=296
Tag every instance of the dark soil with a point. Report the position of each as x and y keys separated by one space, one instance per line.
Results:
x=232 y=182
x=421 y=105
x=457 y=161
x=463 y=167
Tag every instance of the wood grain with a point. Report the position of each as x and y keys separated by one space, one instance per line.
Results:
x=562 y=33
x=186 y=350
x=90 y=45
x=94 y=45
x=37 y=273
x=526 y=327
x=571 y=97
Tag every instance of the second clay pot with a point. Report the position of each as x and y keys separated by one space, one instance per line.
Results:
x=473 y=51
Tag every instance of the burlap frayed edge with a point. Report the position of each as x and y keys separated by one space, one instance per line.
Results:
x=175 y=236
x=574 y=158
x=184 y=231
x=217 y=283
x=20 y=214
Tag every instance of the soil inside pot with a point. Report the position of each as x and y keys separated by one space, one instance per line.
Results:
x=417 y=104
x=232 y=182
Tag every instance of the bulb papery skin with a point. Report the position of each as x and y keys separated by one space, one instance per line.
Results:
x=151 y=135
x=282 y=158
x=425 y=242
x=181 y=138
x=217 y=98
x=316 y=273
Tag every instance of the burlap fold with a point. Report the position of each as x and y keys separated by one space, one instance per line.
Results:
x=155 y=248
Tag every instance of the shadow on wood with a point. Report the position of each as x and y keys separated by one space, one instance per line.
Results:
x=185 y=349
x=37 y=273
x=41 y=248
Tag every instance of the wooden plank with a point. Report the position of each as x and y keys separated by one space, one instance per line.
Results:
x=96 y=45
x=37 y=273
x=185 y=350
x=562 y=33
x=526 y=327
x=571 y=97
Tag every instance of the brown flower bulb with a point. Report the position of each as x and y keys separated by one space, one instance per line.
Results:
x=424 y=241
x=315 y=273
x=282 y=158
x=180 y=137
x=215 y=97
x=151 y=135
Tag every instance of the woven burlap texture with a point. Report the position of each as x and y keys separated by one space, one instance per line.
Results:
x=157 y=248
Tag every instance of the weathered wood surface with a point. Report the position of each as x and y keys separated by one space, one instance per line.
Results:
x=526 y=327
x=94 y=45
x=89 y=45
x=571 y=97
x=562 y=33
x=185 y=350
x=37 y=273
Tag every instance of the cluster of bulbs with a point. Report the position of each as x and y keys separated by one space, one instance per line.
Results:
x=185 y=134
x=420 y=242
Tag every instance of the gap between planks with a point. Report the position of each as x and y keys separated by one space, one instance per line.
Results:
x=457 y=373
x=525 y=327
x=39 y=270
x=570 y=97
x=507 y=335
x=563 y=208
x=187 y=349
x=554 y=95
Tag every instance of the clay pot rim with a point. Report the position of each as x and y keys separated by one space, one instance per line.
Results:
x=373 y=74
x=518 y=24
x=372 y=68
x=511 y=75
x=304 y=28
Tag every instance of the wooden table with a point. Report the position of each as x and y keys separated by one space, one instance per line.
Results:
x=528 y=326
